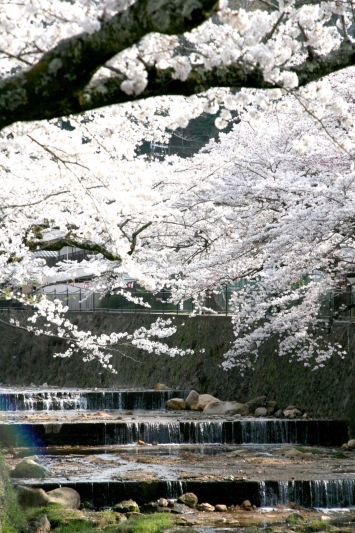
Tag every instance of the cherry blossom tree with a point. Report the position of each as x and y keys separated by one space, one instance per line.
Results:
x=125 y=71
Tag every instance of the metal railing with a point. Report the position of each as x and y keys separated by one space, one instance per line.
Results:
x=78 y=256
x=84 y=300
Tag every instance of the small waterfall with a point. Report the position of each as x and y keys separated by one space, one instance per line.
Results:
x=194 y=432
x=307 y=432
x=174 y=489
x=313 y=493
x=87 y=400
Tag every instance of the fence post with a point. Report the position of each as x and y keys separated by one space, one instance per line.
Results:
x=226 y=300
x=93 y=301
x=80 y=299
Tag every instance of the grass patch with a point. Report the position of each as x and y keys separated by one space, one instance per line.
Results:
x=315 y=451
x=154 y=523
x=313 y=526
x=12 y=517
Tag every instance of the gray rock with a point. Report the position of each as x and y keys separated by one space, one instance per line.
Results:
x=279 y=413
x=65 y=496
x=221 y=508
x=292 y=412
x=246 y=505
x=177 y=404
x=162 y=502
x=218 y=407
x=180 y=508
x=29 y=497
x=41 y=525
x=351 y=443
x=126 y=506
x=28 y=468
x=206 y=507
x=192 y=400
x=189 y=498
x=260 y=411
x=204 y=400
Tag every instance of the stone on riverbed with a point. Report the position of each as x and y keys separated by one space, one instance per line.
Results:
x=41 y=525
x=126 y=506
x=192 y=400
x=177 y=404
x=64 y=496
x=205 y=507
x=260 y=411
x=204 y=400
x=221 y=508
x=218 y=407
x=189 y=498
x=292 y=412
x=29 y=468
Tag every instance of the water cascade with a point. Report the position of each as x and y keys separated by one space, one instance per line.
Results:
x=87 y=400
x=147 y=422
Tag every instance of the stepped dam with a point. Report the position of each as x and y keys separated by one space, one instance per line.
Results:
x=112 y=445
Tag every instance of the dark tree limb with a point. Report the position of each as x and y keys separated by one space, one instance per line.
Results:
x=51 y=87
x=60 y=83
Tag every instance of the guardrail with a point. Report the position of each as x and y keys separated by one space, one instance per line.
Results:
x=83 y=300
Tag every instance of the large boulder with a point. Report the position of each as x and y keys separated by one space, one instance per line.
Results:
x=189 y=498
x=176 y=403
x=29 y=497
x=65 y=496
x=204 y=400
x=218 y=407
x=28 y=468
x=351 y=443
x=192 y=400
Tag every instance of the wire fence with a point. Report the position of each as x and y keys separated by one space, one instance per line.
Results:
x=219 y=302
x=84 y=300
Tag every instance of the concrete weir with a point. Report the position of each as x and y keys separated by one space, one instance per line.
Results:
x=306 y=432
x=116 y=445
x=71 y=399
x=318 y=493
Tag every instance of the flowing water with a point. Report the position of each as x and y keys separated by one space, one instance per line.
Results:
x=221 y=459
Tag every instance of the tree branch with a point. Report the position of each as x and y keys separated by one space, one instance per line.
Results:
x=60 y=83
x=51 y=87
